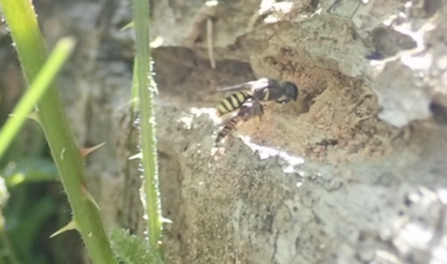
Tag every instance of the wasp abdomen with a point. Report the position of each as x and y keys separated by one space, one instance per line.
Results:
x=249 y=109
x=232 y=102
x=227 y=128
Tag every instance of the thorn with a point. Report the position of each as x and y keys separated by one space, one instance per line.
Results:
x=70 y=226
x=129 y=103
x=85 y=151
x=136 y=156
x=166 y=220
x=157 y=42
x=62 y=154
x=34 y=117
x=90 y=197
x=127 y=26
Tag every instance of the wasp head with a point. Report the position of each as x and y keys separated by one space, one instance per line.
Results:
x=291 y=90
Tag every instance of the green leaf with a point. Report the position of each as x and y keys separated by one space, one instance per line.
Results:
x=132 y=249
x=35 y=92
x=27 y=224
x=29 y=170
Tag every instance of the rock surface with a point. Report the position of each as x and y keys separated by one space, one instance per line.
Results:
x=349 y=179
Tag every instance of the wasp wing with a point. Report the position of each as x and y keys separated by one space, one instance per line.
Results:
x=253 y=85
x=226 y=120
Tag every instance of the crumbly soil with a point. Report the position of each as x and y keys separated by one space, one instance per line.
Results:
x=333 y=120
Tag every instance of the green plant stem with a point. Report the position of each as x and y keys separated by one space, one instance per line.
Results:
x=135 y=101
x=34 y=93
x=22 y=22
x=148 y=137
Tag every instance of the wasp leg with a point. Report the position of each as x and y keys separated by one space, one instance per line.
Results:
x=356 y=122
x=258 y=130
x=404 y=132
x=367 y=93
x=258 y=122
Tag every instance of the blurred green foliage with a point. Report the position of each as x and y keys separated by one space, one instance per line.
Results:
x=34 y=169
x=131 y=249
x=30 y=207
x=28 y=175
x=30 y=211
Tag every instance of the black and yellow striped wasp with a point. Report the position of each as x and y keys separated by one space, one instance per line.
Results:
x=249 y=109
x=263 y=89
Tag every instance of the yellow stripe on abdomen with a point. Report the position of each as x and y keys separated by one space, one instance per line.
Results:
x=232 y=102
x=225 y=106
x=241 y=97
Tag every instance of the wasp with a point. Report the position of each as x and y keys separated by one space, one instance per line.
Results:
x=264 y=89
x=251 y=108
